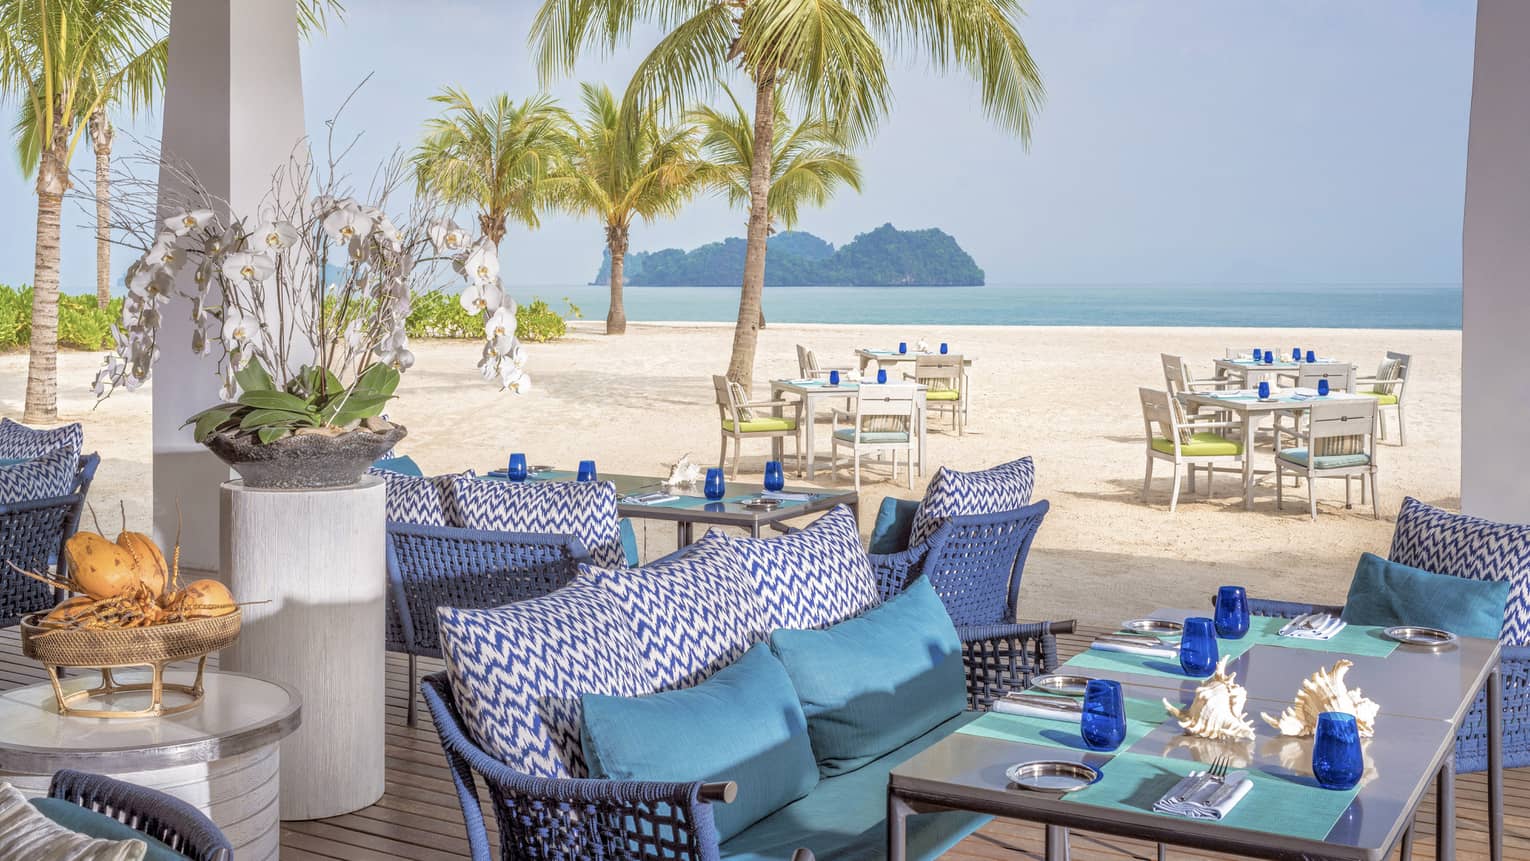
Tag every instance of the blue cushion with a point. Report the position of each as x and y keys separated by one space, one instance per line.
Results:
x=876 y=682
x=691 y=614
x=1326 y=461
x=844 y=818
x=583 y=509
x=630 y=553
x=811 y=578
x=743 y=724
x=43 y=477
x=1463 y=546
x=403 y=465
x=895 y=519
x=99 y=825
x=424 y=500
x=517 y=672
x=1388 y=593
x=951 y=493
x=23 y=443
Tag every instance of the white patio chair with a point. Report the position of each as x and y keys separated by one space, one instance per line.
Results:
x=945 y=382
x=1184 y=442
x=1339 y=442
x=741 y=420
x=1176 y=376
x=811 y=369
x=1388 y=388
x=1340 y=377
x=883 y=421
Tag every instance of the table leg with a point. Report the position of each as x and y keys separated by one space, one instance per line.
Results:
x=754 y=529
x=1495 y=763
x=924 y=427
x=897 y=822
x=1057 y=843
x=810 y=416
x=1445 y=812
x=682 y=534
x=1248 y=461
x=777 y=443
x=1407 y=844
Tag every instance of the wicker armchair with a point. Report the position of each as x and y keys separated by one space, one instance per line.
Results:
x=166 y=818
x=448 y=566
x=32 y=536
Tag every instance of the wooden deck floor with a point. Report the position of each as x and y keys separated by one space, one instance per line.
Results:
x=418 y=818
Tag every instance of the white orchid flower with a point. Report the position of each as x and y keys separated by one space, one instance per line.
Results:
x=239 y=329
x=355 y=334
x=164 y=252
x=500 y=324
x=515 y=379
x=248 y=266
x=482 y=265
x=447 y=237
x=394 y=351
x=228 y=240
x=274 y=236
x=228 y=390
x=346 y=223
x=186 y=222
x=204 y=274
x=482 y=297
x=389 y=234
x=199 y=341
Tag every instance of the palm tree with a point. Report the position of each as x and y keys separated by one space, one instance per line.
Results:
x=826 y=53
x=626 y=165
x=65 y=59
x=504 y=158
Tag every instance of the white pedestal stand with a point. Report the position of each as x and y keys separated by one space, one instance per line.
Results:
x=317 y=557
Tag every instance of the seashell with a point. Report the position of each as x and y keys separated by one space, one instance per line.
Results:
x=1324 y=691
x=1217 y=712
x=683 y=472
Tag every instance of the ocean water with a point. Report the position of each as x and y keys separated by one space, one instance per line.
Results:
x=1305 y=306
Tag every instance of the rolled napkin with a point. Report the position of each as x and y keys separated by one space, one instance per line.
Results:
x=1199 y=796
x=784 y=496
x=1034 y=705
x=1313 y=626
x=1130 y=646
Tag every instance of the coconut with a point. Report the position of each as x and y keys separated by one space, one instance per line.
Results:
x=69 y=611
x=148 y=563
x=100 y=568
x=203 y=599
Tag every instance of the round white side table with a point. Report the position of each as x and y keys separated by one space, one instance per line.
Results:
x=222 y=757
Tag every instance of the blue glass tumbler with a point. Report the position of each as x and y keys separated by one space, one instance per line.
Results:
x=1311 y=356
x=1264 y=389
x=944 y=348
x=1103 y=725
x=1198 y=647
x=1337 y=761
x=1269 y=357
x=715 y=486
x=1323 y=387
x=902 y=347
x=1257 y=353
x=1232 y=613
x=587 y=470
x=1296 y=354
x=881 y=375
x=516 y=471
x=834 y=378
x=775 y=479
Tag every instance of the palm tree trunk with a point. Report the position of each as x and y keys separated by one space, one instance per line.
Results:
x=746 y=334
x=42 y=363
x=616 y=241
x=101 y=134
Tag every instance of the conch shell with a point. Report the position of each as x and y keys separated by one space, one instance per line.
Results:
x=683 y=472
x=1217 y=712
x=1324 y=691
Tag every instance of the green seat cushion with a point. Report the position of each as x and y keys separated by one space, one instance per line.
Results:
x=403 y=465
x=871 y=684
x=843 y=818
x=103 y=827
x=942 y=395
x=763 y=423
x=1386 y=593
x=743 y=724
x=1383 y=399
x=873 y=437
x=1325 y=461
x=895 y=520
x=1203 y=444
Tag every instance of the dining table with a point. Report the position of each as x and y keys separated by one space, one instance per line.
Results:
x=814 y=391
x=891 y=358
x=1247 y=373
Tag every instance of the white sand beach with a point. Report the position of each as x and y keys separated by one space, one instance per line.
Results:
x=1067 y=396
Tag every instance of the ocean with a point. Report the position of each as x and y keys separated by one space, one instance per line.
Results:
x=1303 y=306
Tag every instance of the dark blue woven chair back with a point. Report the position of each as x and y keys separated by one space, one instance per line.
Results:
x=32 y=535
x=164 y=817
x=976 y=569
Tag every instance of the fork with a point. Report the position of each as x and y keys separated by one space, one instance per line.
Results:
x=1219 y=767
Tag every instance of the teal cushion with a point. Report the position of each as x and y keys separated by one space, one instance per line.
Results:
x=629 y=543
x=742 y=724
x=403 y=465
x=895 y=519
x=1326 y=461
x=872 y=437
x=1387 y=593
x=844 y=818
x=870 y=684
x=99 y=825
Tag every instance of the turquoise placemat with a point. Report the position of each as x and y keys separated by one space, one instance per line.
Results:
x=1353 y=640
x=1292 y=806
x=1142 y=717
x=1147 y=665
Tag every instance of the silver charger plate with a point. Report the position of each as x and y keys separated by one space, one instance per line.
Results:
x=1153 y=626
x=1062 y=683
x=1418 y=635
x=542 y=467
x=1051 y=775
x=762 y=504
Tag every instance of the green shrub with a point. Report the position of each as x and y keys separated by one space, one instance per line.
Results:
x=81 y=325
x=437 y=314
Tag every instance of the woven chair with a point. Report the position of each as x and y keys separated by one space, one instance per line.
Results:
x=32 y=535
x=1388 y=387
x=739 y=421
x=448 y=566
x=163 y=817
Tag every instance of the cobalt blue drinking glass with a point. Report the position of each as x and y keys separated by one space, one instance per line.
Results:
x=1296 y=354
x=834 y=378
x=1257 y=353
x=1264 y=389
x=1198 y=647
x=1232 y=612
x=881 y=375
x=775 y=479
x=943 y=348
x=1269 y=357
x=1323 y=387
x=1103 y=726
x=587 y=470
x=715 y=487
x=517 y=469
x=1311 y=356
x=902 y=346
x=1337 y=761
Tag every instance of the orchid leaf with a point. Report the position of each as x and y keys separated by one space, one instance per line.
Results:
x=209 y=421
x=358 y=407
x=377 y=379
x=253 y=378
x=268 y=435
x=278 y=418
x=274 y=400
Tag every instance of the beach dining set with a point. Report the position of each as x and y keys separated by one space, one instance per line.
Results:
x=1324 y=421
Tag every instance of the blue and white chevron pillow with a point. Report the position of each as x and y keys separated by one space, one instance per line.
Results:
x=952 y=493
x=427 y=501
x=812 y=578
x=517 y=673
x=17 y=441
x=1464 y=546
x=43 y=477
x=583 y=509
x=692 y=615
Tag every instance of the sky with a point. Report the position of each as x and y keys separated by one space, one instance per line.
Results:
x=1192 y=141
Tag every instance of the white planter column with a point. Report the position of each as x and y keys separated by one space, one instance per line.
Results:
x=317 y=557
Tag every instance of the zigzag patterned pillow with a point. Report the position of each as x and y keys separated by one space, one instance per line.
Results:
x=40 y=478
x=427 y=501
x=952 y=493
x=811 y=578
x=583 y=509
x=20 y=441
x=1463 y=546
x=692 y=615
x=517 y=673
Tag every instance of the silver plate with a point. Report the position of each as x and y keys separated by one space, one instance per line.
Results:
x=1062 y=683
x=1153 y=626
x=1051 y=775
x=762 y=504
x=1417 y=635
x=542 y=467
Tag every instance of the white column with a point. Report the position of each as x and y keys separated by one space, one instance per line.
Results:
x=1495 y=382
x=233 y=113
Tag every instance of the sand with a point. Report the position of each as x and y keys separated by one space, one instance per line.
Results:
x=1066 y=396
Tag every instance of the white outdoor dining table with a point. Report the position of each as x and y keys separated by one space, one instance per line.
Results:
x=813 y=391
x=885 y=358
x=1248 y=373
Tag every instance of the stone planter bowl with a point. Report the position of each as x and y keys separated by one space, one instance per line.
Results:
x=304 y=460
